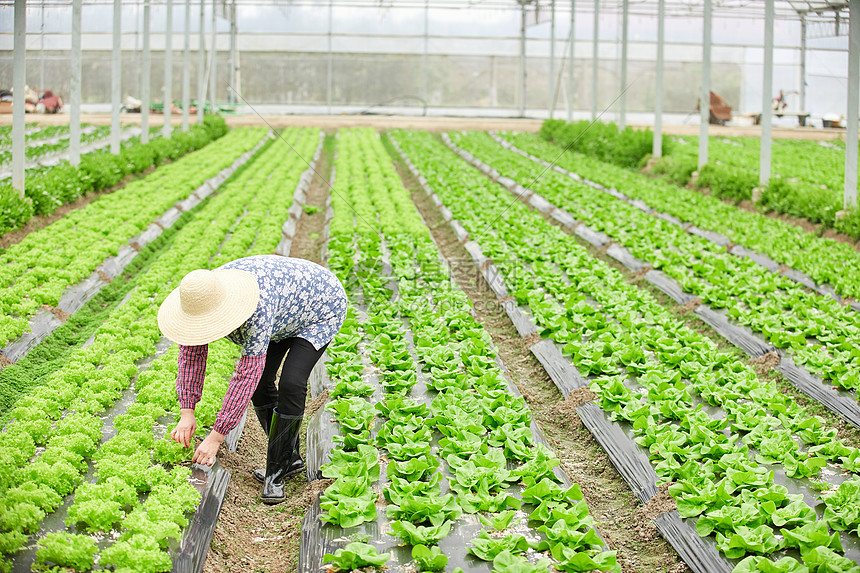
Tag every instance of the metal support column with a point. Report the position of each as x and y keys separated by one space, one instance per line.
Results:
x=850 y=196
x=571 y=68
x=705 y=96
x=802 y=89
x=766 y=89
x=186 y=64
x=625 y=18
x=595 y=57
x=146 y=81
x=213 y=59
x=42 y=50
x=201 y=66
x=657 y=145
x=75 y=87
x=552 y=61
x=425 y=70
x=522 y=97
x=116 y=77
x=19 y=78
x=168 y=70
x=329 y=66
x=237 y=70
x=234 y=55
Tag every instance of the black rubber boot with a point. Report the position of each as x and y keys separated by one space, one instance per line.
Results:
x=296 y=466
x=282 y=460
x=264 y=414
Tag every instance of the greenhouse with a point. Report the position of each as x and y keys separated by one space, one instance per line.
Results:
x=430 y=285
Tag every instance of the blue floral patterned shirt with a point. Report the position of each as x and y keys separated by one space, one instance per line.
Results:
x=298 y=298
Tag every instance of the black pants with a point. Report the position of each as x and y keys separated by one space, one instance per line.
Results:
x=292 y=388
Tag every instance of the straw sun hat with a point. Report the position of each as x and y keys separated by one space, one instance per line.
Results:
x=208 y=305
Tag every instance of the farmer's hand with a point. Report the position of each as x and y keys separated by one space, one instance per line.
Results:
x=206 y=451
x=184 y=430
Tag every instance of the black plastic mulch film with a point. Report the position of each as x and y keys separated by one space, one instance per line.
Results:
x=629 y=459
x=559 y=369
x=699 y=553
x=739 y=336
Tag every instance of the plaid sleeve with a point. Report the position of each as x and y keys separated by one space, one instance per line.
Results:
x=192 y=371
x=245 y=378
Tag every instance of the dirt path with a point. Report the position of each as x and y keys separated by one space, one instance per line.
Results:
x=640 y=547
x=249 y=535
x=430 y=123
x=309 y=239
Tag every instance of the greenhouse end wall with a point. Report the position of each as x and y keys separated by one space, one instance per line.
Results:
x=388 y=79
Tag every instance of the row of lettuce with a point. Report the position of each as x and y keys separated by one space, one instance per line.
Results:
x=140 y=492
x=817 y=330
x=713 y=429
x=46 y=188
x=826 y=261
x=422 y=343
x=808 y=175
x=34 y=132
x=45 y=142
x=37 y=270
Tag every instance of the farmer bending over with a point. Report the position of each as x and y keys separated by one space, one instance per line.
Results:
x=268 y=305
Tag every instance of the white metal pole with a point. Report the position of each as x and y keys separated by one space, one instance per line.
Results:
x=767 y=89
x=802 y=62
x=329 y=64
x=237 y=69
x=137 y=51
x=625 y=17
x=594 y=60
x=552 y=61
x=42 y=50
x=657 y=145
x=850 y=197
x=146 y=81
x=234 y=55
x=19 y=75
x=705 y=97
x=186 y=63
x=424 y=64
x=213 y=59
x=522 y=60
x=201 y=66
x=75 y=114
x=168 y=70
x=116 y=77
x=571 y=68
